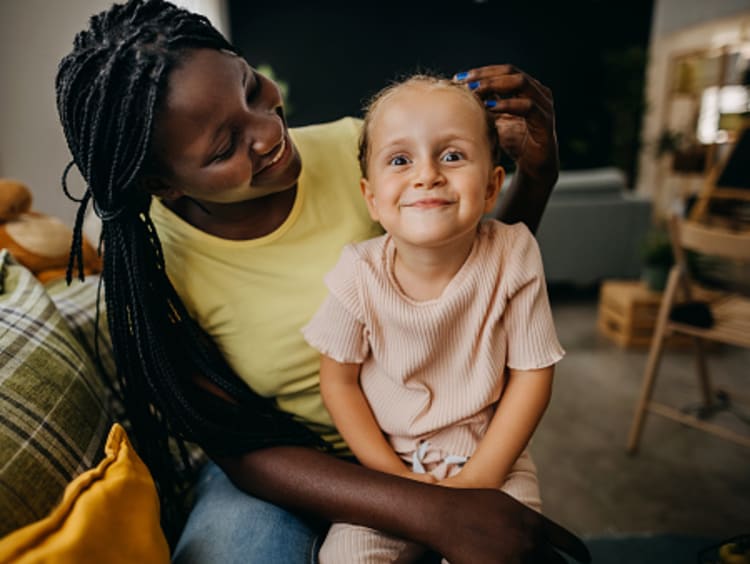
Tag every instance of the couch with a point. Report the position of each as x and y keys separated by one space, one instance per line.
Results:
x=72 y=489
x=592 y=228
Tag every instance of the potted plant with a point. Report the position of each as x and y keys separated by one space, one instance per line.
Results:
x=657 y=259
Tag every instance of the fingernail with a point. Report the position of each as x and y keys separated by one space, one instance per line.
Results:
x=490 y=103
x=473 y=85
x=461 y=75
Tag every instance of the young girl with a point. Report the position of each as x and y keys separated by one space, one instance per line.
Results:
x=219 y=222
x=421 y=324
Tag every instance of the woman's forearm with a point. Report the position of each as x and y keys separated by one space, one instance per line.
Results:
x=526 y=197
x=311 y=482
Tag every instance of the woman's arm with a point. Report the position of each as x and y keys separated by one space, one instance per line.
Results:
x=521 y=407
x=466 y=526
x=524 y=115
x=343 y=397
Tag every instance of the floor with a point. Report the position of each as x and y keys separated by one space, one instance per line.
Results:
x=681 y=481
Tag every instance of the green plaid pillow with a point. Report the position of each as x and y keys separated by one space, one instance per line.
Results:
x=54 y=417
x=77 y=305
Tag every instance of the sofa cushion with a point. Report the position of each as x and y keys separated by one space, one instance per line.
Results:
x=590 y=182
x=54 y=415
x=77 y=305
x=108 y=514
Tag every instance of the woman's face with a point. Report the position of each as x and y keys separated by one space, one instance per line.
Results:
x=221 y=135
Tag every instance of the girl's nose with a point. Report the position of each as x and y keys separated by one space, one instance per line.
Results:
x=428 y=175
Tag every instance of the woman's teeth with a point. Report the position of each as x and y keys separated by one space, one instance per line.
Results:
x=278 y=155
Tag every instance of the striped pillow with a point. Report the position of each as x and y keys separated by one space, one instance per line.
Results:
x=54 y=417
x=77 y=305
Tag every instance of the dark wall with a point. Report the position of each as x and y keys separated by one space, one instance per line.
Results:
x=335 y=54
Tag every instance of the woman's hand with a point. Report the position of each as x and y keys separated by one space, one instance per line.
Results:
x=524 y=115
x=489 y=526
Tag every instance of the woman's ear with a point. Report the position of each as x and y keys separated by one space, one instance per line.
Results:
x=497 y=177
x=364 y=186
x=158 y=187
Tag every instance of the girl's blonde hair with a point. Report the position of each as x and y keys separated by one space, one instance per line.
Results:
x=430 y=80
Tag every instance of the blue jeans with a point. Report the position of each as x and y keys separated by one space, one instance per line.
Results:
x=228 y=526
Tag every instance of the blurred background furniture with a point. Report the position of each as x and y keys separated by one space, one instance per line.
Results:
x=728 y=182
x=725 y=319
x=592 y=228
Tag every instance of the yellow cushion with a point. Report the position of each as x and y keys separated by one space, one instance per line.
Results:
x=108 y=514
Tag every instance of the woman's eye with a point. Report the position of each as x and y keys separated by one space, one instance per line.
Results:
x=452 y=156
x=224 y=154
x=253 y=87
x=399 y=160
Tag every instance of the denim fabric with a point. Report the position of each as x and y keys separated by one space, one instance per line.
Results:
x=228 y=526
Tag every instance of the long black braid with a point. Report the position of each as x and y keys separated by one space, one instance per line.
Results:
x=109 y=89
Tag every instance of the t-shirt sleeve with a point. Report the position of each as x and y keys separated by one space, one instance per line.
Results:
x=530 y=328
x=338 y=327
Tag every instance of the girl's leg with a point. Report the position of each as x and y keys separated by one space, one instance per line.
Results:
x=522 y=482
x=228 y=526
x=352 y=544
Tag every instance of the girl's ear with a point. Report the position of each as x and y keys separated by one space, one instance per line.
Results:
x=364 y=186
x=497 y=177
x=158 y=187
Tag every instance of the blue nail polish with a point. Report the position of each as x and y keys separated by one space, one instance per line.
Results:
x=490 y=103
x=461 y=75
x=474 y=85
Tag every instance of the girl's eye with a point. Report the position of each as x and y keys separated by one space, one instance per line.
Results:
x=398 y=160
x=452 y=156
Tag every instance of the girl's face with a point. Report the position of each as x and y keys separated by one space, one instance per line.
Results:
x=430 y=175
x=221 y=135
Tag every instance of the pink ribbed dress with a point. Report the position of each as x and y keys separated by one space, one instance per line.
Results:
x=433 y=370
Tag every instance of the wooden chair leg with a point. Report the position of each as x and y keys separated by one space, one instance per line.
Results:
x=703 y=378
x=652 y=365
x=647 y=387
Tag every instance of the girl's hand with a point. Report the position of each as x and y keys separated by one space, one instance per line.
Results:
x=466 y=479
x=457 y=481
x=426 y=478
x=524 y=115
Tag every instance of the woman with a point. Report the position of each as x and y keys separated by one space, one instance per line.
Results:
x=155 y=102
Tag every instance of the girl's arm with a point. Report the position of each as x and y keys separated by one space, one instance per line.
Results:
x=343 y=397
x=519 y=411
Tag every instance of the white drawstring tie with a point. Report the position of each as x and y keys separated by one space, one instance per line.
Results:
x=418 y=457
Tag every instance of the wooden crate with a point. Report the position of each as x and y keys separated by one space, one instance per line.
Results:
x=627 y=314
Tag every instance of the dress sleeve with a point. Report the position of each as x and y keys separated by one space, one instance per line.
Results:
x=338 y=328
x=530 y=328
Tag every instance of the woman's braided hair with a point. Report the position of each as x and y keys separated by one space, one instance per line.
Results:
x=109 y=91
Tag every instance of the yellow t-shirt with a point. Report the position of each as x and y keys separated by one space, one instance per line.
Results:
x=254 y=296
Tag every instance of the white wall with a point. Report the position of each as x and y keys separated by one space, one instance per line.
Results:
x=676 y=15
x=34 y=36
x=680 y=26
